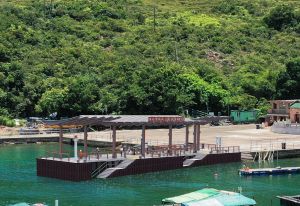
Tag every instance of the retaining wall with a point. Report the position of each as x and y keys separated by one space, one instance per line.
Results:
x=286 y=129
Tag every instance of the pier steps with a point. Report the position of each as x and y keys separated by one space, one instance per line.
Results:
x=123 y=165
x=189 y=162
x=246 y=156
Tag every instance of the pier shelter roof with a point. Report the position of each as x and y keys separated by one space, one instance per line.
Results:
x=131 y=120
x=143 y=121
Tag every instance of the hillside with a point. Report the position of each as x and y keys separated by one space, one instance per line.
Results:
x=146 y=57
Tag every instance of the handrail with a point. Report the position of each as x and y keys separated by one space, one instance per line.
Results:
x=98 y=169
x=60 y=155
x=229 y=149
x=103 y=166
x=278 y=111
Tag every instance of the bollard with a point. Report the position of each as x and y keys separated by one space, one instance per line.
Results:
x=56 y=202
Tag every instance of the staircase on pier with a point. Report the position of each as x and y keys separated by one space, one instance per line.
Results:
x=247 y=156
x=267 y=155
x=109 y=171
x=190 y=162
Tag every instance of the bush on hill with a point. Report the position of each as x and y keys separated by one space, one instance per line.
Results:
x=119 y=56
x=280 y=17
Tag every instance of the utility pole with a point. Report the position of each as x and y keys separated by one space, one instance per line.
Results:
x=154 y=18
x=51 y=7
x=176 y=52
x=207 y=107
x=44 y=8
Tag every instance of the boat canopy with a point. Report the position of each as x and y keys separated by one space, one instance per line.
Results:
x=223 y=200
x=192 y=196
x=209 y=197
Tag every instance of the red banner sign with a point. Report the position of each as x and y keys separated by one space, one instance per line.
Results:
x=166 y=119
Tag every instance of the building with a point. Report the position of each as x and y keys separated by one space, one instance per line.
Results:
x=283 y=110
x=238 y=116
x=295 y=112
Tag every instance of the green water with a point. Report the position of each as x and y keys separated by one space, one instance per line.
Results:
x=19 y=183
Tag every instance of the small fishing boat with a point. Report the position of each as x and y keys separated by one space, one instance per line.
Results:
x=210 y=197
x=269 y=171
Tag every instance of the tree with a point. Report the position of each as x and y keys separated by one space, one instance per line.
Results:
x=52 y=101
x=280 y=17
x=288 y=84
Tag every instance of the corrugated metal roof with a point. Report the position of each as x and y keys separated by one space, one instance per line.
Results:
x=128 y=120
x=223 y=199
x=207 y=202
x=234 y=199
x=211 y=197
x=192 y=196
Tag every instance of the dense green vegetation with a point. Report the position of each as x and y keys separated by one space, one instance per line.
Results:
x=139 y=57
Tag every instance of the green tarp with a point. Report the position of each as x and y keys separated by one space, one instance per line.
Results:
x=197 y=195
x=223 y=200
x=211 y=197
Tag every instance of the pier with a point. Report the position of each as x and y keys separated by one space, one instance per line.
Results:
x=289 y=200
x=88 y=165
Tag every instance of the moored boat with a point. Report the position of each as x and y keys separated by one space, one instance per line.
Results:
x=210 y=197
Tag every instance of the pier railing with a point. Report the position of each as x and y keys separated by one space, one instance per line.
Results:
x=278 y=111
x=57 y=155
x=221 y=150
x=274 y=144
x=286 y=128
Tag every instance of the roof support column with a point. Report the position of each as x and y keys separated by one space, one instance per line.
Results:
x=85 y=135
x=114 y=137
x=198 y=137
x=60 y=141
x=186 y=138
x=143 y=140
x=195 y=139
x=170 y=140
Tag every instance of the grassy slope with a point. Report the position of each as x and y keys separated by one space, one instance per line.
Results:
x=251 y=54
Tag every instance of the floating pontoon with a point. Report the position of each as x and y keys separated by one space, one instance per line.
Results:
x=270 y=171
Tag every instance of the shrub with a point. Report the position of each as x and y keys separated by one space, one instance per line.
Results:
x=281 y=17
x=227 y=7
x=6 y=121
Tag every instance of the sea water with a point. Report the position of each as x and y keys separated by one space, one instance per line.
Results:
x=19 y=182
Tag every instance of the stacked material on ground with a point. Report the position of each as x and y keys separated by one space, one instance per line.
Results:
x=210 y=197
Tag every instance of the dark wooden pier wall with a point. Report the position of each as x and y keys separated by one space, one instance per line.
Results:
x=285 y=202
x=82 y=171
x=64 y=170
x=211 y=159
x=69 y=170
x=140 y=166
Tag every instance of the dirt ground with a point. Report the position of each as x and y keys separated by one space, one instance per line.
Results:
x=245 y=136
